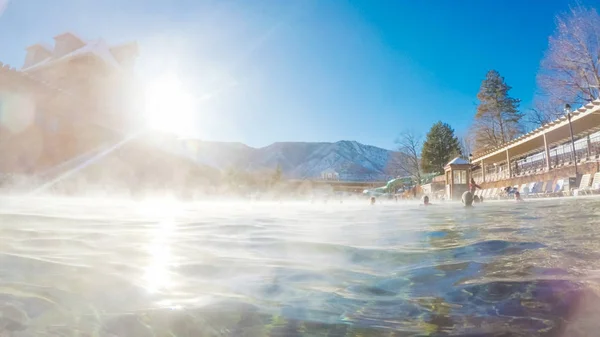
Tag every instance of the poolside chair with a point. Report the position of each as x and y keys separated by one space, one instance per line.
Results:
x=558 y=187
x=584 y=185
x=595 y=186
x=546 y=189
x=531 y=187
x=536 y=188
x=493 y=193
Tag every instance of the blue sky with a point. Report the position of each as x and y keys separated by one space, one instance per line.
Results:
x=311 y=70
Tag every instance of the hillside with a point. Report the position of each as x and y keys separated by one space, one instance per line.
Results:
x=300 y=160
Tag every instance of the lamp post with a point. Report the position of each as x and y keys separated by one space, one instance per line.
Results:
x=470 y=168
x=568 y=111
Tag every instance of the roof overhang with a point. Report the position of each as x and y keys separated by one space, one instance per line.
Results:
x=584 y=120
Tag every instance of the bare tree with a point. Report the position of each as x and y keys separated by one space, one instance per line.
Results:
x=570 y=69
x=466 y=145
x=543 y=112
x=409 y=147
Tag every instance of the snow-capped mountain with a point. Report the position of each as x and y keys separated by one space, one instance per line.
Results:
x=300 y=160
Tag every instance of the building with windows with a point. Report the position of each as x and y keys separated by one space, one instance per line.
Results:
x=564 y=148
x=66 y=99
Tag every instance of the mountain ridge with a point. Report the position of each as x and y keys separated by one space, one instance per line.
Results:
x=352 y=160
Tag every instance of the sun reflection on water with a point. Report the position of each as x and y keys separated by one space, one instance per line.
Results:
x=157 y=273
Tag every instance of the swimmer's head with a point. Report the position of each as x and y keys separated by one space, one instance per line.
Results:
x=372 y=200
x=467 y=199
x=476 y=199
x=426 y=200
x=517 y=195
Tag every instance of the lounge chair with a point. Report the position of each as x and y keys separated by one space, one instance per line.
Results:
x=584 y=185
x=531 y=186
x=493 y=193
x=547 y=188
x=595 y=188
x=536 y=188
x=558 y=187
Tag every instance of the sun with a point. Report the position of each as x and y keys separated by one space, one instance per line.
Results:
x=169 y=106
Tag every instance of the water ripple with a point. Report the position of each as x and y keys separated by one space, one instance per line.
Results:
x=79 y=267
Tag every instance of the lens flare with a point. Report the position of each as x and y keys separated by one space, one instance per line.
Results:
x=169 y=106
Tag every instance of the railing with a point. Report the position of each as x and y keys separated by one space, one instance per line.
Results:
x=492 y=173
x=587 y=148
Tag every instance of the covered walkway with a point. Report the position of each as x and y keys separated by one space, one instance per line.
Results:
x=545 y=148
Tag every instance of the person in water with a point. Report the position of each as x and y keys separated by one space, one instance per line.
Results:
x=476 y=199
x=467 y=199
x=473 y=186
x=518 y=196
x=426 y=201
x=373 y=200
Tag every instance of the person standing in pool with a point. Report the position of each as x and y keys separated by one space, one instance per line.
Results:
x=518 y=197
x=467 y=199
x=473 y=186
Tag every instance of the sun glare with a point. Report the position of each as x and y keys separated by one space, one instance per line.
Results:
x=169 y=106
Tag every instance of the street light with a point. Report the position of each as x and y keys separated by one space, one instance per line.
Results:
x=568 y=112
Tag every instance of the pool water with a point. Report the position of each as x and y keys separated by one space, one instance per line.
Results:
x=100 y=267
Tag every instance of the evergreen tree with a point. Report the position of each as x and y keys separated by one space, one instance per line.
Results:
x=498 y=119
x=439 y=148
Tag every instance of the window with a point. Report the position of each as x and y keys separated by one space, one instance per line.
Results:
x=460 y=177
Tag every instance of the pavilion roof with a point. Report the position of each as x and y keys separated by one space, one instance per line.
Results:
x=584 y=120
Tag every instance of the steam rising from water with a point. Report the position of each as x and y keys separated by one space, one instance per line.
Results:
x=119 y=267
